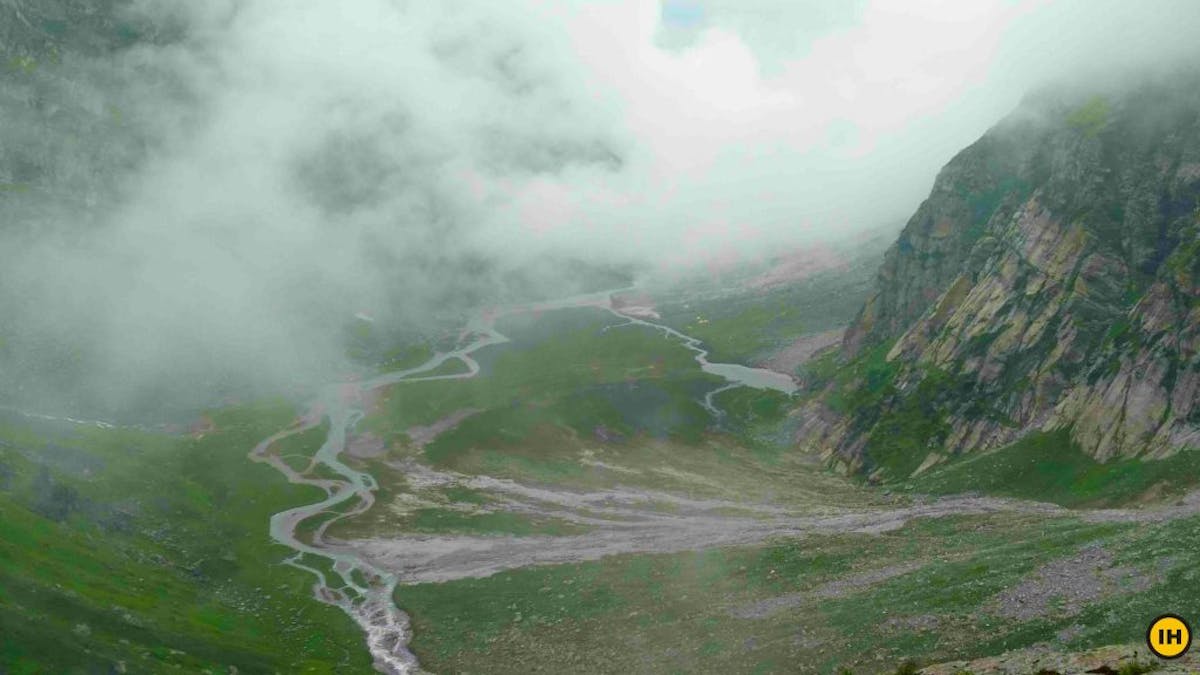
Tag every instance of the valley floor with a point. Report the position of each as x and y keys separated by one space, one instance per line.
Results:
x=575 y=507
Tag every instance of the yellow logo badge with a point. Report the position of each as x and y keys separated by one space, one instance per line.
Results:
x=1169 y=636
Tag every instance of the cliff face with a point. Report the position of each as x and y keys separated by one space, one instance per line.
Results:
x=1051 y=280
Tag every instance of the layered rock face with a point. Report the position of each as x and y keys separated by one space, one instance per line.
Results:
x=1051 y=280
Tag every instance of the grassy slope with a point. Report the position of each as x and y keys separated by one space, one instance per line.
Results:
x=740 y=326
x=1045 y=466
x=565 y=376
x=672 y=613
x=188 y=579
x=1049 y=467
x=741 y=331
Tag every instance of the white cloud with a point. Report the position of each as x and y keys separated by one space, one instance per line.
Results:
x=325 y=157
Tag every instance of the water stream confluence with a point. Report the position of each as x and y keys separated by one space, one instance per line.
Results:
x=363 y=591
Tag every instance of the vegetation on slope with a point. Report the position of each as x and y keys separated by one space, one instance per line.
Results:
x=121 y=546
x=1048 y=466
x=931 y=591
x=1047 y=283
x=568 y=379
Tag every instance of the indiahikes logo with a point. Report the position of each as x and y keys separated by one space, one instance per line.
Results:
x=1169 y=636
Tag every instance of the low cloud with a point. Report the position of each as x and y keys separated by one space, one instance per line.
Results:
x=217 y=196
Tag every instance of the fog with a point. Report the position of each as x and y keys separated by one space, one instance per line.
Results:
x=200 y=198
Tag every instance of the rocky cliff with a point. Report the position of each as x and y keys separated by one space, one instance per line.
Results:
x=1051 y=280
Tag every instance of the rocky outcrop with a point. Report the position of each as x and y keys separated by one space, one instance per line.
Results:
x=1050 y=280
x=1151 y=403
x=1048 y=658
